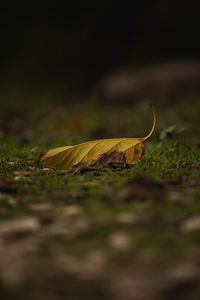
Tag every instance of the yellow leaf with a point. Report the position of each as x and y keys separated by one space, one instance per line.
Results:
x=95 y=153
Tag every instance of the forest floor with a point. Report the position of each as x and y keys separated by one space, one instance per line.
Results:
x=126 y=232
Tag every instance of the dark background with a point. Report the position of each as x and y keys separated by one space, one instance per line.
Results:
x=75 y=46
x=128 y=232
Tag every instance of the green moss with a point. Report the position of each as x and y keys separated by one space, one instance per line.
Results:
x=155 y=232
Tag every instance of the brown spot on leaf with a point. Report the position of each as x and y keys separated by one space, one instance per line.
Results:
x=143 y=150
x=41 y=155
x=136 y=151
x=114 y=157
x=103 y=160
x=82 y=167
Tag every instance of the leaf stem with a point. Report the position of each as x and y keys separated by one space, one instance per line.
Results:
x=154 y=122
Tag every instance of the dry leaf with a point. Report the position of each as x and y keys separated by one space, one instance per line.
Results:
x=95 y=153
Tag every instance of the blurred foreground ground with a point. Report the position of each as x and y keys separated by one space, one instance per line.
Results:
x=122 y=233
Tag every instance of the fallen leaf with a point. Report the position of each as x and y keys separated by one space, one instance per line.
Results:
x=95 y=153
